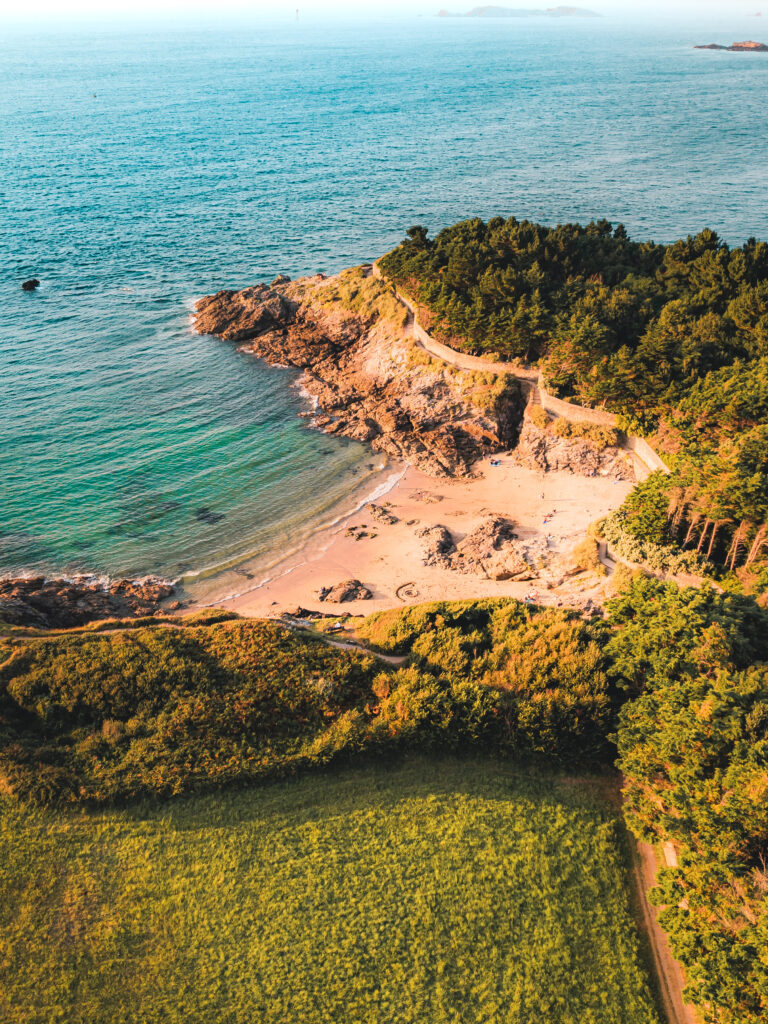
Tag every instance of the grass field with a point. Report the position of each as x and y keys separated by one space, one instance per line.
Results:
x=432 y=891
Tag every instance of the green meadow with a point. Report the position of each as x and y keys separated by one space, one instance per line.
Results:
x=417 y=892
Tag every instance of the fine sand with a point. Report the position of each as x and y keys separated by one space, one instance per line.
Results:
x=388 y=558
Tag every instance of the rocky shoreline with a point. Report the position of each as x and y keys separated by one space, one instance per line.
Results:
x=368 y=377
x=64 y=603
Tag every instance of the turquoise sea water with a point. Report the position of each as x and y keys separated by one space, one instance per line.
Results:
x=141 y=169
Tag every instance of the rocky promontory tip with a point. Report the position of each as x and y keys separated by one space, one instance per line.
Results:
x=44 y=603
x=367 y=375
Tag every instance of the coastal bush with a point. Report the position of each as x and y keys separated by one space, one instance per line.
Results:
x=586 y=555
x=434 y=890
x=539 y=417
x=419 y=357
x=665 y=558
x=367 y=296
x=597 y=436
x=486 y=390
x=499 y=675
x=676 y=679
x=115 y=716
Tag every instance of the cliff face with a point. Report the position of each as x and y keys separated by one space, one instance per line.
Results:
x=370 y=380
x=540 y=449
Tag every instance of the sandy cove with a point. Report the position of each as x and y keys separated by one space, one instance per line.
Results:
x=390 y=559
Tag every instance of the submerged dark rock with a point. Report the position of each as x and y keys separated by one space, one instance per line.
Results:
x=207 y=515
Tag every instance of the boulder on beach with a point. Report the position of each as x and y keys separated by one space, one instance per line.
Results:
x=437 y=544
x=382 y=515
x=490 y=550
x=348 y=590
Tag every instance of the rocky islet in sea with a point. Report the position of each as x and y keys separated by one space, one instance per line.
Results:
x=746 y=47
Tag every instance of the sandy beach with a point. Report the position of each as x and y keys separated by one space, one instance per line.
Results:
x=388 y=558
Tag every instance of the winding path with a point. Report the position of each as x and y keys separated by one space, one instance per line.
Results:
x=531 y=380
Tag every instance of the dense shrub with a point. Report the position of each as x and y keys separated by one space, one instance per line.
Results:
x=597 y=436
x=499 y=675
x=165 y=710
x=538 y=416
x=664 y=558
x=159 y=711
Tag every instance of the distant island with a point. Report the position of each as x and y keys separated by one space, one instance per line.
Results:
x=519 y=12
x=748 y=46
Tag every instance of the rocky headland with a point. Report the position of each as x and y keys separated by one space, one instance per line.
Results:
x=43 y=603
x=367 y=375
x=371 y=380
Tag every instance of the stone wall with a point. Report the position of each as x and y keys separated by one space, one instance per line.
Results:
x=575 y=413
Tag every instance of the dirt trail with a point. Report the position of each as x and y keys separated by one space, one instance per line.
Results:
x=669 y=974
x=397 y=660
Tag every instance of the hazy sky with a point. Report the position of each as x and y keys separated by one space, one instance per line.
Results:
x=106 y=9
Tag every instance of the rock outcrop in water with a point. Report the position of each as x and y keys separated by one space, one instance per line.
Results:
x=369 y=379
x=65 y=603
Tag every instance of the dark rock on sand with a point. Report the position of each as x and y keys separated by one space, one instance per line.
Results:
x=65 y=603
x=381 y=515
x=437 y=544
x=490 y=550
x=302 y=613
x=349 y=590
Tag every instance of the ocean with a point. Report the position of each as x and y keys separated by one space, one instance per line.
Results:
x=141 y=169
